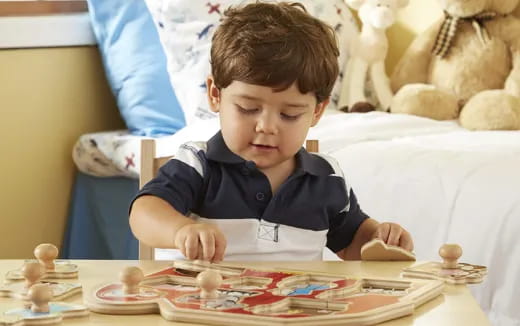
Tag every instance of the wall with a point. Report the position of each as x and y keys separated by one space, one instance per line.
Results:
x=48 y=97
x=415 y=18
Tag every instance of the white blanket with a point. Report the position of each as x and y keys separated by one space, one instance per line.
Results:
x=456 y=187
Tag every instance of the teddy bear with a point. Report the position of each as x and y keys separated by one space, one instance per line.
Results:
x=465 y=66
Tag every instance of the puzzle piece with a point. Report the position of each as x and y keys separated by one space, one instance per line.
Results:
x=41 y=311
x=57 y=312
x=377 y=250
x=209 y=281
x=450 y=270
x=46 y=254
x=32 y=272
x=60 y=291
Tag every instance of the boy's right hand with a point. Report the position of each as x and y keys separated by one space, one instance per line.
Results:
x=201 y=241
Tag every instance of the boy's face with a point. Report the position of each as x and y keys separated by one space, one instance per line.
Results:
x=262 y=125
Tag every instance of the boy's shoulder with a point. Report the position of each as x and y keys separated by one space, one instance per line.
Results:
x=193 y=154
x=324 y=162
x=194 y=147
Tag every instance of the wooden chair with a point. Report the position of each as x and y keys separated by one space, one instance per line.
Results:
x=150 y=164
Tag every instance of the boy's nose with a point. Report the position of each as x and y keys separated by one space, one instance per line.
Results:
x=266 y=124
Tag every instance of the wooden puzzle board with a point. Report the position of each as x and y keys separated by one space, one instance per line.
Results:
x=63 y=270
x=266 y=297
x=462 y=274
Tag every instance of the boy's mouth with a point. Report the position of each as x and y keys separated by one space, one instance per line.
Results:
x=263 y=147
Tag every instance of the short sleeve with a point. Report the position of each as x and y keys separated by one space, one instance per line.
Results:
x=345 y=224
x=180 y=181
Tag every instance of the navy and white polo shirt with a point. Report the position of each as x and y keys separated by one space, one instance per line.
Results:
x=312 y=209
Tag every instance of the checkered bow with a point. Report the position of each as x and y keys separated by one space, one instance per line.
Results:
x=449 y=27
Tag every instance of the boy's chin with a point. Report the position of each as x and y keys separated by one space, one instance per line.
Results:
x=262 y=164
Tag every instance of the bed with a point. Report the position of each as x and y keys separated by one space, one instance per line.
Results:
x=440 y=181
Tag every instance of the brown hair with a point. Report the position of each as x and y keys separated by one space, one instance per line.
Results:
x=275 y=45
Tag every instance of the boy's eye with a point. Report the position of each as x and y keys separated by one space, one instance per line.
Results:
x=289 y=116
x=246 y=110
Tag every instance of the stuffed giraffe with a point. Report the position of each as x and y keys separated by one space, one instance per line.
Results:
x=368 y=51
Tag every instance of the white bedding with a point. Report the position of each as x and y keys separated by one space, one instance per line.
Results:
x=457 y=187
x=441 y=182
x=116 y=153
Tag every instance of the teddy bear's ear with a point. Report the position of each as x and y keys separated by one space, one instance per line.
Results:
x=504 y=6
x=356 y=4
x=402 y=3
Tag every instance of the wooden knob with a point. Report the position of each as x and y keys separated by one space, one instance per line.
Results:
x=450 y=253
x=131 y=276
x=32 y=272
x=46 y=253
x=40 y=295
x=209 y=281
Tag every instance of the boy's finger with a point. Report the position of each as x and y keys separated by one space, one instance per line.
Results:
x=180 y=243
x=382 y=232
x=207 y=241
x=192 y=247
x=199 y=253
x=394 y=235
x=220 y=247
x=406 y=241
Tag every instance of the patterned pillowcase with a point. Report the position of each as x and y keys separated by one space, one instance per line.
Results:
x=186 y=27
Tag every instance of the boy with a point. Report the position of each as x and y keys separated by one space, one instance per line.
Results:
x=252 y=190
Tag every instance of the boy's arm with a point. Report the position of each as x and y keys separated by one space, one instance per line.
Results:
x=391 y=233
x=364 y=234
x=155 y=222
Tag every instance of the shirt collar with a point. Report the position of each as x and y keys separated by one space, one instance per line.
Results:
x=218 y=151
x=306 y=162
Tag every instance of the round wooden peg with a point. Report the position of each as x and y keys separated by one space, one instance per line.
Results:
x=46 y=253
x=209 y=281
x=40 y=295
x=450 y=254
x=32 y=272
x=131 y=276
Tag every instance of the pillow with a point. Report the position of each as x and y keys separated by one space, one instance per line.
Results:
x=186 y=27
x=135 y=66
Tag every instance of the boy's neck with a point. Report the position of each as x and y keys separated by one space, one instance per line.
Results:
x=279 y=173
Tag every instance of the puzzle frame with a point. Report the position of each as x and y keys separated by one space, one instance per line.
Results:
x=257 y=297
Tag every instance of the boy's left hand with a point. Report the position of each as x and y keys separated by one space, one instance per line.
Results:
x=393 y=234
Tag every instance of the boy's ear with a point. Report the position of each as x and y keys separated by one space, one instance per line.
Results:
x=319 y=110
x=213 y=94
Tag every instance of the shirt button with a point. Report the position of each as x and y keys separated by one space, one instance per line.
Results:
x=260 y=196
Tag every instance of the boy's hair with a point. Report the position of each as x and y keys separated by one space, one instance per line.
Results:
x=275 y=45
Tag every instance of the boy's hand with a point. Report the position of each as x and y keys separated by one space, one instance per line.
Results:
x=201 y=241
x=393 y=234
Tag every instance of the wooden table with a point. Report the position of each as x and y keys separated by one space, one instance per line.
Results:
x=455 y=306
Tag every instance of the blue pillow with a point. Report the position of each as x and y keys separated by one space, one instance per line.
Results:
x=135 y=65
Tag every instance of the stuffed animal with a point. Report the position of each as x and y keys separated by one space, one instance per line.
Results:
x=368 y=52
x=465 y=66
